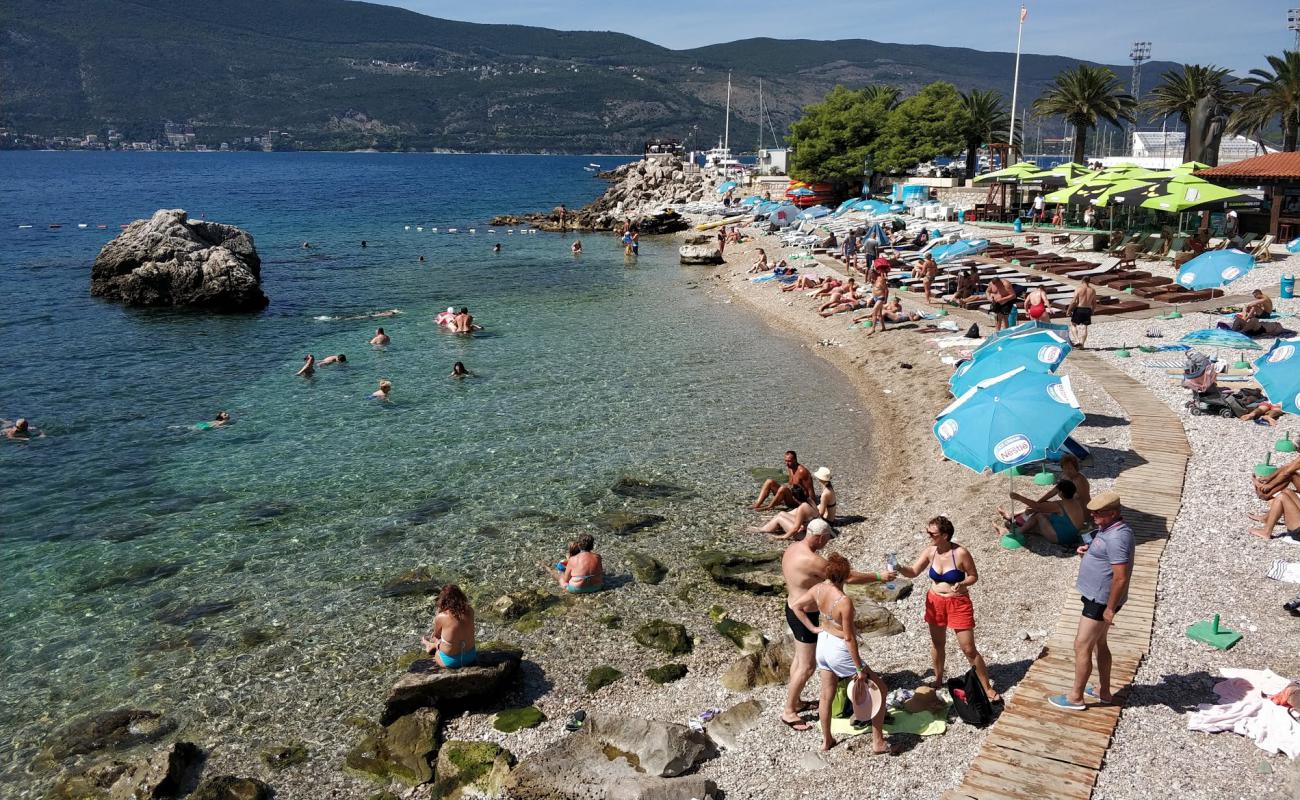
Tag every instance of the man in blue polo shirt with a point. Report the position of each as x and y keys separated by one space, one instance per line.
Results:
x=1103 y=582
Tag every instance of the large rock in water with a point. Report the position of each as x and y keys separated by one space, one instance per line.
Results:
x=169 y=260
x=428 y=684
x=402 y=750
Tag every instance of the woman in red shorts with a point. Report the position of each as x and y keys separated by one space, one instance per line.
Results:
x=947 y=604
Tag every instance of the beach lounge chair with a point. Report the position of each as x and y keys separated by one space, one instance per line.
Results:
x=1261 y=251
x=1128 y=255
x=1106 y=267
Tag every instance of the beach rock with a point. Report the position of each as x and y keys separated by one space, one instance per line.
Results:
x=230 y=787
x=667 y=673
x=663 y=749
x=281 y=756
x=415 y=582
x=93 y=781
x=881 y=592
x=700 y=254
x=426 y=683
x=730 y=724
x=516 y=719
x=583 y=767
x=471 y=770
x=401 y=750
x=647 y=490
x=166 y=773
x=741 y=635
x=188 y=614
x=602 y=676
x=141 y=573
x=429 y=510
x=770 y=666
x=670 y=637
x=756 y=573
x=513 y=605
x=622 y=523
x=169 y=260
x=646 y=569
x=118 y=729
x=874 y=621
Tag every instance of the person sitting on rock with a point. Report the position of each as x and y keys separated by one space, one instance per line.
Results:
x=582 y=572
x=451 y=640
x=791 y=523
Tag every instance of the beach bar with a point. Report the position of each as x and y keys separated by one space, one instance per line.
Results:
x=1278 y=174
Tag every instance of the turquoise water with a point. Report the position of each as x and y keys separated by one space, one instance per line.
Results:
x=227 y=575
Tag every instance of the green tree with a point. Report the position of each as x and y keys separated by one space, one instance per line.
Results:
x=983 y=120
x=833 y=138
x=1084 y=95
x=1179 y=93
x=1269 y=95
x=887 y=94
x=925 y=125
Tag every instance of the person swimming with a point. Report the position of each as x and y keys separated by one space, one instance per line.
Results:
x=577 y=247
x=458 y=371
x=21 y=430
x=338 y=359
x=496 y=248
x=385 y=387
x=222 y=418
x=308 y=366
x=380 y=338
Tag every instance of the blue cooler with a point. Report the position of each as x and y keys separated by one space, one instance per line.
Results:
x=1288 y=287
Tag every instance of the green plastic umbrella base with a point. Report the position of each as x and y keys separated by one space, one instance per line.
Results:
x=1012 y=541
x=1044 y=478
x=1264 y=470
x=1284 y=445
x=1209 y=632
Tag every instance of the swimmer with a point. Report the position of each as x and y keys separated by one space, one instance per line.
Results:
x=447 y=318
x=338 y=359
x=421 y=259
x=577 y=247
x=458 y=371
x=382 y=393
x=392 y=312
x=222 y=418
x=464 y=322
x=363 y=243
x=308 y=366
x=21 y=430
x=306 y=245
x=380 y=338
x=496 y=248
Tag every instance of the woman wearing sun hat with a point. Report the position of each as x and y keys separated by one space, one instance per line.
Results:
x=826 y=504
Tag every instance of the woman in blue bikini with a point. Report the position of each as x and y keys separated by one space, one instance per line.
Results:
x=451 y=640
x=583 y=571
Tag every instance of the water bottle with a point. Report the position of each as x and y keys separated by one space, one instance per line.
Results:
x=891 y=565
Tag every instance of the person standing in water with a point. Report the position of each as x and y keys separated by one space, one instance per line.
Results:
x=308 y=366
x=458 y=371
x=21 y=430
x=577 y=247
x=464 y=321
x=496 y=248
x=385 y=387
x=380 y=338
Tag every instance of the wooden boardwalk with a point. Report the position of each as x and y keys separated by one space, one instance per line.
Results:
x=1033 y=750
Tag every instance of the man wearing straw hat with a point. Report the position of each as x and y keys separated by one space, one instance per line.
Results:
x=1103 y=587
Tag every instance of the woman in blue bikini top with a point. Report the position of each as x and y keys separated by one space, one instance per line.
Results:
x=451 y=640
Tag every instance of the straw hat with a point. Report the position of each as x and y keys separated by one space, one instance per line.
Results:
x=823 y=474
x=1104 y=501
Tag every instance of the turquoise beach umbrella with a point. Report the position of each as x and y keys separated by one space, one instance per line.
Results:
x=1016 y=330
x=1220 y=337
x=1214 y=269
x=1037 y=351
x=1014 y=418
x=960 y=249
x=1278 y=373
x=726 y=186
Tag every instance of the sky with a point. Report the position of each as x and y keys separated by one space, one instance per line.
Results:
x=1229 y=33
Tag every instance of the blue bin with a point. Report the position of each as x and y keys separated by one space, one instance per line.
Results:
x=1019 y=226
x=1288 y=287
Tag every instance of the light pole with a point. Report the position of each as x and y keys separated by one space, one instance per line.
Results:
x=1293 y=24
x=1164 y=141
x=1140 y=54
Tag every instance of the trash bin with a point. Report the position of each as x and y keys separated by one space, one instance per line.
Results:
x=1019 y=226
x=961 y=216
x=1288 y=287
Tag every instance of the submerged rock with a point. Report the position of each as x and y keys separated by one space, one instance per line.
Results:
x=756 y=573
x=230 y=787
x=281 y=756
x=402 y=750
x=670 y=637
x=426 y=683
x=667 y=673
x=141 y=573
x=471 y=770
x=166 y=773
x=513 y=605
x=646 y=569
x=647 y=490
x=621 y=523
x=516 y=719
x=418 y=581
x=118 y=729
x=188 y=614
x=429 y=510
x=170 y=260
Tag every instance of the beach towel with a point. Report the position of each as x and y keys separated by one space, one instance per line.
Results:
x=1165 y=363
x=923 y=723
x=1285 y=571
x=1245 y=709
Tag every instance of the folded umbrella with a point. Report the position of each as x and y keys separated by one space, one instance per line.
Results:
x=960 y=249
x=1278 y=373
x=1215 y=268
x=1219 y=337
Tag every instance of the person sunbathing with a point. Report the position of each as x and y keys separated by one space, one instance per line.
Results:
x=761 y=265
x=1284 y=506
x=808 y=280
x=1265 y=413
x=828 y=287
x=848 y=303
x=1057 y=521
x=791 y=523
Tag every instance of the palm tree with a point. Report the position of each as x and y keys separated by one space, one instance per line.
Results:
x=1271 y=94
x=1179 y=93
x=873 y=93
x=984 y=118
x=1084 y=95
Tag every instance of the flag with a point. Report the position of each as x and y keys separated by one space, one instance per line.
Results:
x=1024 y=12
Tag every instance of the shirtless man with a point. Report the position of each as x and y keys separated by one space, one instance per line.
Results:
x=1080 y=311
x=781 y=492
x=21 y=431
x=803 y=567
x=1261 y=306
x=879 y=298
x=308 y=366
x=927 y=272
x=1002 y=298
x=338 y=359
x=464 y=322
x=380 y=338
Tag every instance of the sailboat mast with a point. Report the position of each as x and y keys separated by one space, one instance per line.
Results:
x=760 y=115
x=726 y=129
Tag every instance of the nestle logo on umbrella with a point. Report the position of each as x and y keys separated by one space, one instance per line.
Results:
x=1187 y=278
x=1013 y=449
x=1058 y=393
x=947 y=429
x=1281 y=353
x=1049 y=353
x=1231 y=273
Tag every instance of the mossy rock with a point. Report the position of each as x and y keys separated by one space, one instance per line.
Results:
x=612 y=621
x=670 y=637
x=601 y=676
x=281 y=756
x=638 y=489
x=761 y=474
x=756 y=573
x=646 y=569
x=516 y=719
x=500 y=646
x=741 y=635
x=667 y=673
x=405 y=660
x=717 y=613
x=471 y=769
x=621 y=523
x=399 y=751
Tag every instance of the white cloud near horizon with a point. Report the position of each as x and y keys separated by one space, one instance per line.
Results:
x=1235 y=35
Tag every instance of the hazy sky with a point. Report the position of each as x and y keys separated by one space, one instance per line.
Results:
x=1230 y=33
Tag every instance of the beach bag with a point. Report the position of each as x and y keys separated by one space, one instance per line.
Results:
x=841 y=706
x=969 y=699
x=973 y=332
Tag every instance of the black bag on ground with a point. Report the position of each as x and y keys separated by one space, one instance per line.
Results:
x=970 y=700
x=973 y=332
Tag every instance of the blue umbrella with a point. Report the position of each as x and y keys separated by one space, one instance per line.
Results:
x=1293 y=246
x=1278 y=372
x=1214 y=269
x=878 y=233
x=1010 y=419
x=1037 y=351
x=813 y=212
x=801 y=192
x=753 y=199
x=1016 y=330
x=962 y=248
x=726 y=186
x=1221 y=337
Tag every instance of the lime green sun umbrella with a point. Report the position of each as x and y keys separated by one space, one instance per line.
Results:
x=1066 y=173
x=1126 y=192
x=1012 y=174
x=1191 y=166
x=1085 y=190
x=1190 y=193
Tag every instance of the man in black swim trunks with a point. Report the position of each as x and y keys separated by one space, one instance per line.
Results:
x=1002 y=298
x=803 y=567
x=1080 y=308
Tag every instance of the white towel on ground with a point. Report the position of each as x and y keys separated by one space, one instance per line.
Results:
x=1247 y=710
x=1286 y=571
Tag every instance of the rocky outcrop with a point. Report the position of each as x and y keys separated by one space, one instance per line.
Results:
x=402 y=750
x=428 y=684
x=621 y=523
x=670 y=637
x=170 y=260
x=471 y=770
x=639 y=193
x=231 y=787
x=700 y=250
x=765 y=668
x=728 y=726
x=169 y=772
x=756 y=573
x=118 y=729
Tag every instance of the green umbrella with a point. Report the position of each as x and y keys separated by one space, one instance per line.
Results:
x=1190 y=193
x=1084 y=191
x=1014 y=173
x=1191 y=166
x=1066 y=173
x=1127 y=192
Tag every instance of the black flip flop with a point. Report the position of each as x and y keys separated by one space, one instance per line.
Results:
x=794 y=726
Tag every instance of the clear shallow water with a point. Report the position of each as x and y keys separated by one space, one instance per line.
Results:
x=125 y=522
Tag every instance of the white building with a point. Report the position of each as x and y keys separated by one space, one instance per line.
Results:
x=771 y=162
x=1157 y=150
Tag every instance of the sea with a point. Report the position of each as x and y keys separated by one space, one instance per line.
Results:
x=231 y=578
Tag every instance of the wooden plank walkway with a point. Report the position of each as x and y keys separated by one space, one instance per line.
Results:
x=1036 y=752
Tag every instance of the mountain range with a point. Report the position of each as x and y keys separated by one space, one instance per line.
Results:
x=337 y=74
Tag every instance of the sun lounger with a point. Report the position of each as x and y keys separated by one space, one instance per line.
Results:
x=1122 y=307
x=1186 y=296
x=1261 y=251
x=1106 y=267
